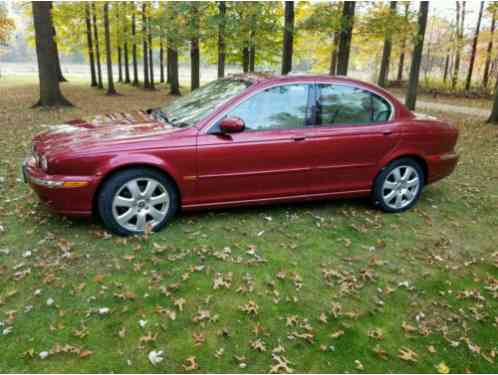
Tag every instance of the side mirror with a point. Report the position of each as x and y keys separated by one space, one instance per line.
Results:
x=232 y=125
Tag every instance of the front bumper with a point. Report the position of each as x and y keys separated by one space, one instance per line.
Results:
x=66 y=195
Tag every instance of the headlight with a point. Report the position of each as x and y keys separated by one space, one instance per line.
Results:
x=44 y=163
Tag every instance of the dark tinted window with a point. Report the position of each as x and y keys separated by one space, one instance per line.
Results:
x=281 y=107
x=350 y=105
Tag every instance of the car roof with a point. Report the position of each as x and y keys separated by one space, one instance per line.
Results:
x=265 y=78
x=269 y=77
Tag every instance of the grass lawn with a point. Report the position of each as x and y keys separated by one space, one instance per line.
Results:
x=333 y=286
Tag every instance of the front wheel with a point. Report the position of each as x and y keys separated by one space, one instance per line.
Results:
x=136 y=200
x=397 y=188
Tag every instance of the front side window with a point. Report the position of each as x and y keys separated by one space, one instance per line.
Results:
x=193 y=107
x=281 y=107
x=339 y=104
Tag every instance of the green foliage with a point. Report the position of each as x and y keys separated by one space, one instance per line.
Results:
x=262 y=20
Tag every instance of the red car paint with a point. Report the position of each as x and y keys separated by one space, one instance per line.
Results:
x=242 y=168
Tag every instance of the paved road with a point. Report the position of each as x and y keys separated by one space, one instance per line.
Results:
x=434 y=106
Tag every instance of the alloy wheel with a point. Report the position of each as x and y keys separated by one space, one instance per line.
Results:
x=140 y=203
x=401 y=187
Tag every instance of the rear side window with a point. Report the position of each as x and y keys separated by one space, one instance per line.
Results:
x=348 y=105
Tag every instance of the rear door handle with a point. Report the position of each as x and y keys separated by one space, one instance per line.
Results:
x=297 y=139
x=387 y=132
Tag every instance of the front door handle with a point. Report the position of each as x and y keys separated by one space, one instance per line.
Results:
x=387 y=132
x=297 y=139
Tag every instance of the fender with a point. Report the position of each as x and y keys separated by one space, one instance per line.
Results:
x=400 y=151
x=136 y=159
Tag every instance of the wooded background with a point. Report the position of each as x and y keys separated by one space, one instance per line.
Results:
x=144 y=43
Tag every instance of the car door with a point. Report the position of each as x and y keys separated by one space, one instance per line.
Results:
x=351 y=132
x=265 y=160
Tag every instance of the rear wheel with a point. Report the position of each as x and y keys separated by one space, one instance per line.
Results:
x=136 y=200
x=397 y=188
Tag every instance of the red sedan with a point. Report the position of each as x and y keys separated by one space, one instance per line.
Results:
x=250 y=139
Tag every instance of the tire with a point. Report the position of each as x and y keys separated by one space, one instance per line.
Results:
x=398 y=186
x=135 y=199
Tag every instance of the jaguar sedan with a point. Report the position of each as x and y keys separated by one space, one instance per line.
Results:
x=242 y=140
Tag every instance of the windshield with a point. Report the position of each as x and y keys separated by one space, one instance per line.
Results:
x=189 y=109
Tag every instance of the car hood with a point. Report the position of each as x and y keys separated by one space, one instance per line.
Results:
x=100 y=130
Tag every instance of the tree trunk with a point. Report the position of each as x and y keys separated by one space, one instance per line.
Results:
x=411 y=93
x=126 y=60
x=403 y=47
x=460 y=21
x=488 y=52
x=108 y=52
x=173 y=70
x=245 y=59
x=252 y=51
x=134 y=45
x=50 y=93
x=194 y=63
x=493 y=118
x=120 y=64
x=161 y=59
x=333 y=57
x=386 y=52
x=151 y=62
x=89 y=41
x=168 y=62
x=145 y=47
x=60 y=76
x=100 y=85
x=474 y=48
x=346 y=34
x=221 y=40
x=446 y=66
x=161 y=54
x=172 y=55
x=287 y=48
x=194 y=49
x=119 y=41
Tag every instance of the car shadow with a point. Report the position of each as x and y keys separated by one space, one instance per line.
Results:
x=430 y=196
